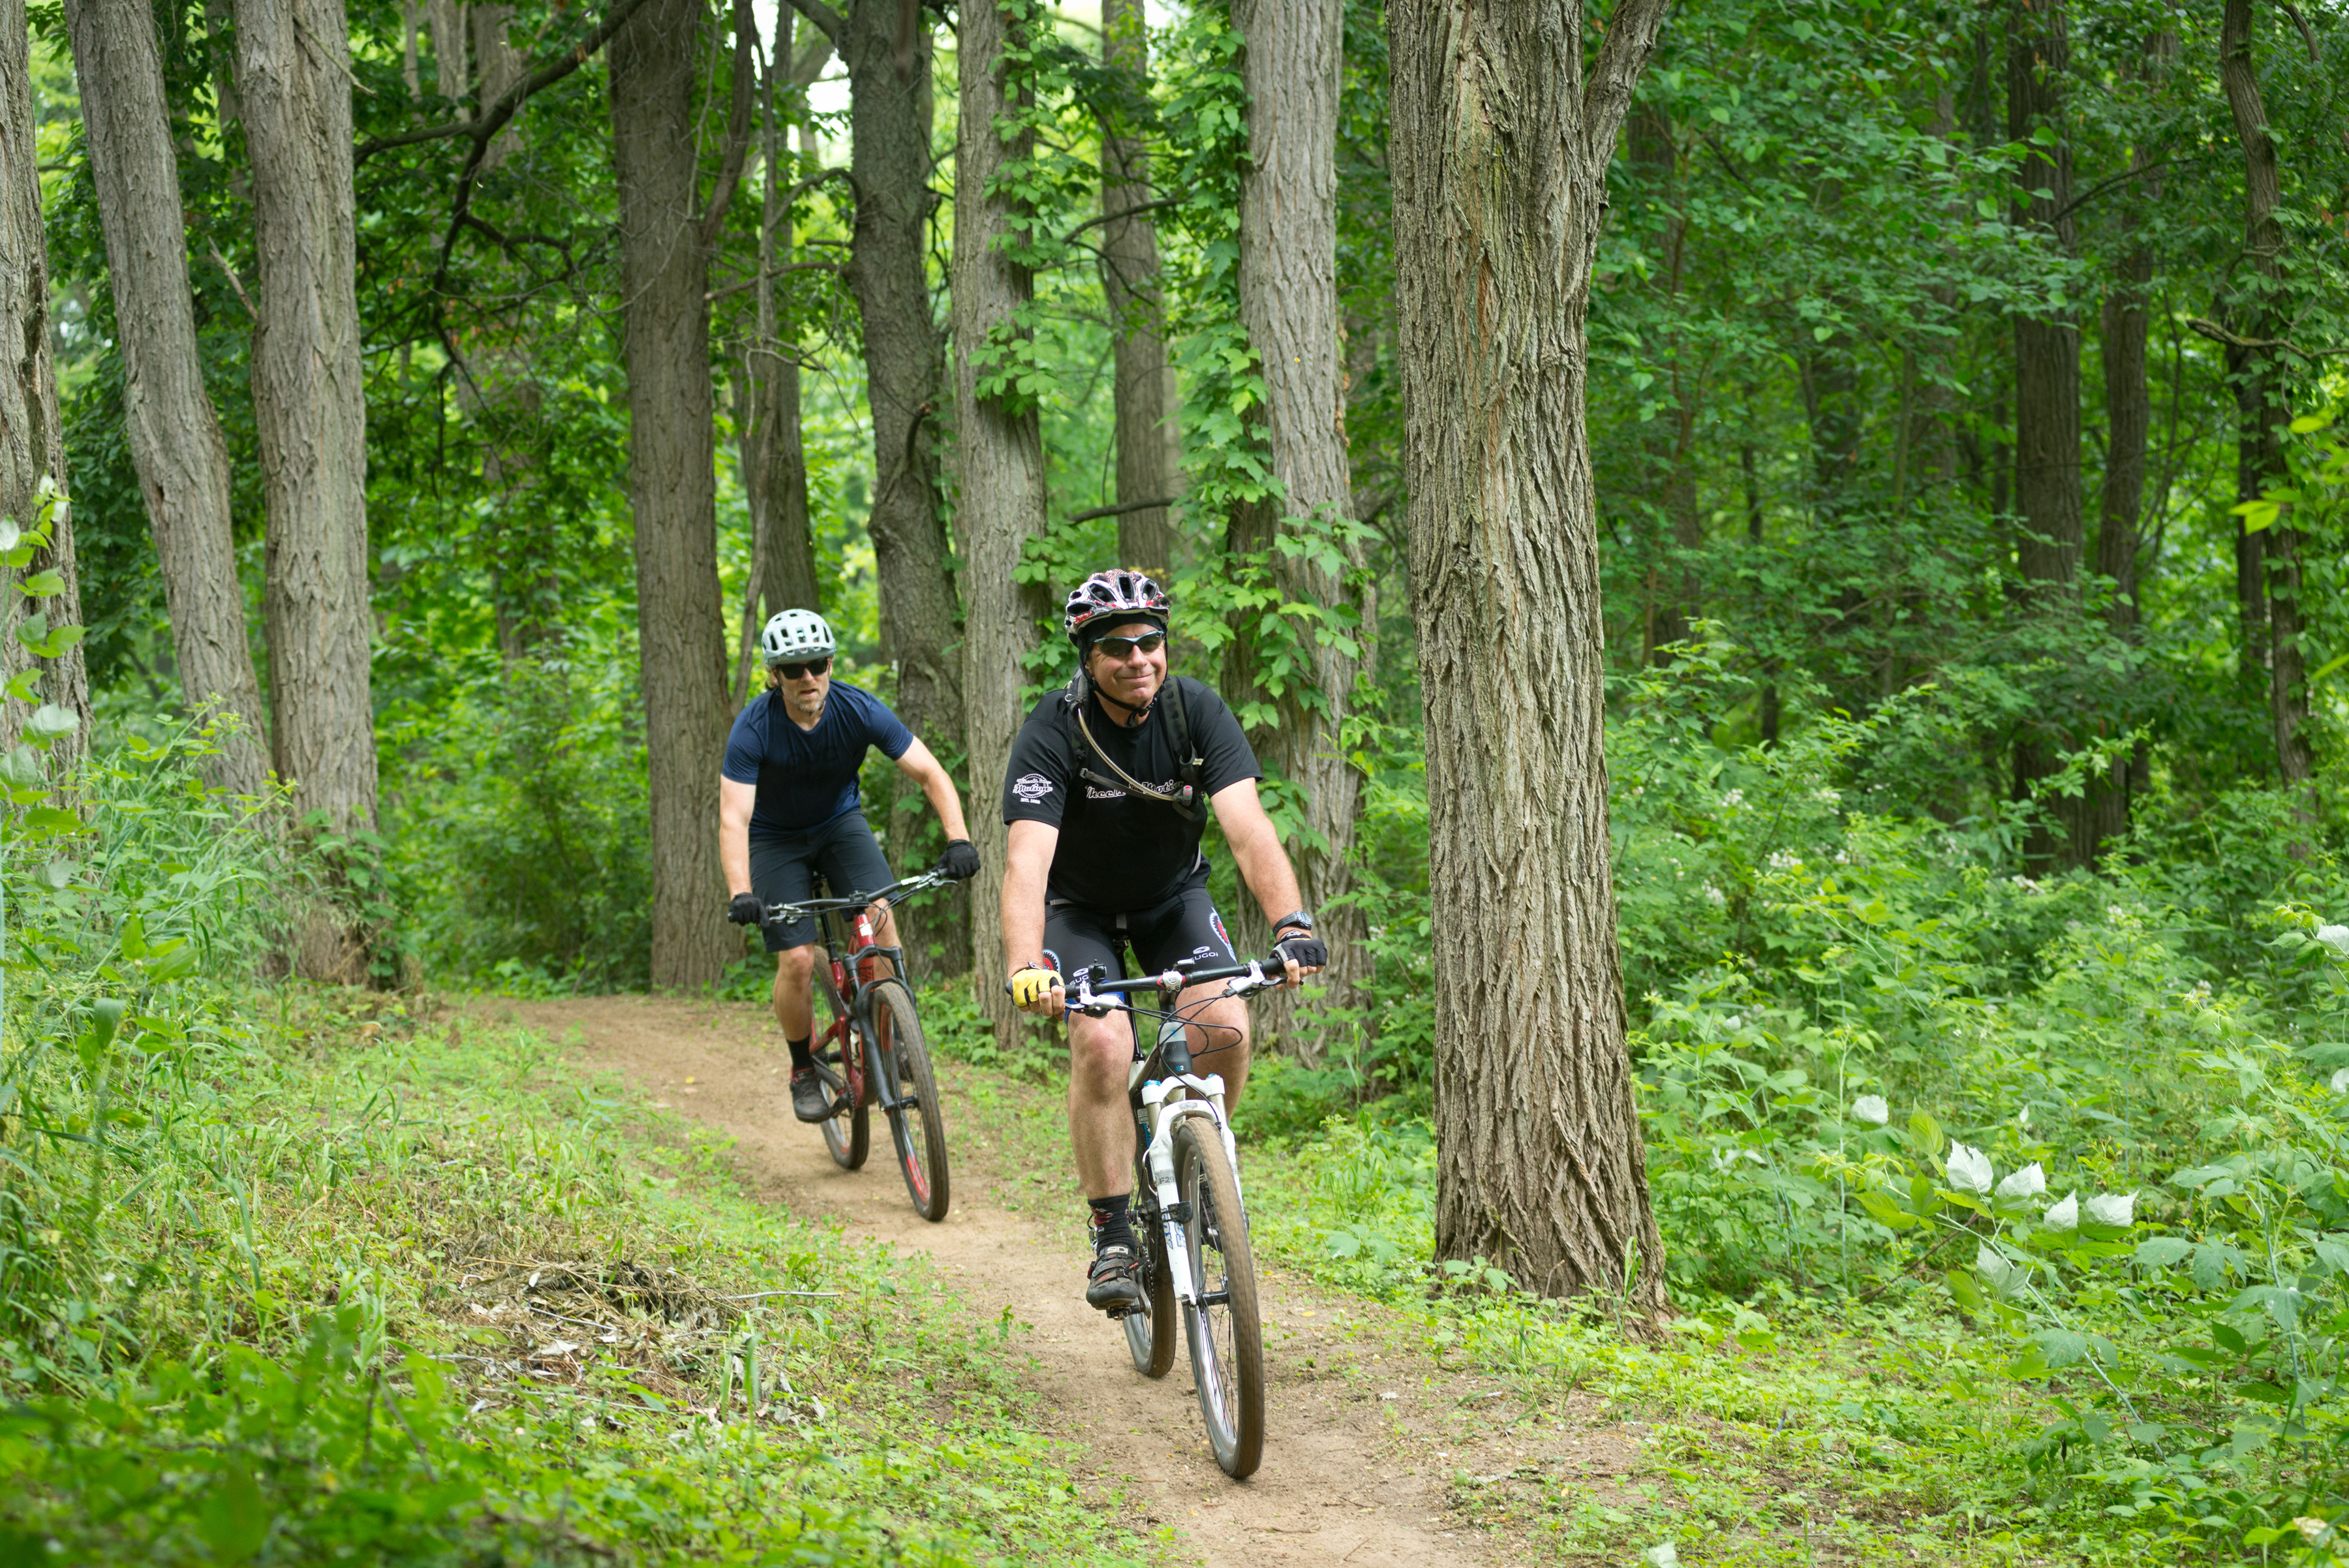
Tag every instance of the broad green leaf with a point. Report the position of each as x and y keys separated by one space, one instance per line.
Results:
x=2162 y=1250
x=45 y=584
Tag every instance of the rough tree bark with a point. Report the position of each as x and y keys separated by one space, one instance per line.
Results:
x=904 y=361
x=309 y=407
x=31 y=438
x=1146 y=540
x=1002 y=455
x=1670 y=437
x=774 y=460
x=1289 y=302
x=175 y=434
x=2270 y=560
x=2048 y=493
x=1499 y=147
x=672 y=483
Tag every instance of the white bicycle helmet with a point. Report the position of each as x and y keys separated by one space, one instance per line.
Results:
x=1113 y=597
x=793 y=635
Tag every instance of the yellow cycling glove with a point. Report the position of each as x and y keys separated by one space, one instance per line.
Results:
x=1032 y=986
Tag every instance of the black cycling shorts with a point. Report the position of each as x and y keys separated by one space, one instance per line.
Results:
x=1186 y=926
x=783 y=870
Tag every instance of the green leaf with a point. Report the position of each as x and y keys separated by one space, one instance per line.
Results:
x=2162 y=1250
x=50 y=819
x=170 y=960
x=50 y=724
x=1882 y=1209
x=20 y=769
x=45 y=584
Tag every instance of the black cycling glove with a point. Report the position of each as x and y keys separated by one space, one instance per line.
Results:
x=1306 y=952
x=746 y=910
x=961 y=859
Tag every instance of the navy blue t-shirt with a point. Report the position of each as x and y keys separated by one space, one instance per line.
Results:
x=807 y=777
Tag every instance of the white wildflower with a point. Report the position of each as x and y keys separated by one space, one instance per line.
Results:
x=1827 y=797
x=1969 y=1168
x=2335 y=937
x=2026 y=884
x=1713 y=895
x=1871 y=1110
x=1732 y=800
x=2340 y=1082
x=1785 y=860
x=2065 y=1215
x=2028 y=1182
x=2114 y=1208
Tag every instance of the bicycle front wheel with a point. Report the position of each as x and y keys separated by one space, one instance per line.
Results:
x=916 y=1126
x=1227 y=1341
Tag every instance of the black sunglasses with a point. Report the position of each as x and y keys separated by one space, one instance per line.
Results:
x=796 y=672
x=1124 y=647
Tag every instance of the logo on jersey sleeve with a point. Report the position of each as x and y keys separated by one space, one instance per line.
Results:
x=1031 y=787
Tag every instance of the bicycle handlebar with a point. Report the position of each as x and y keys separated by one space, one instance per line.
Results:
x=895 y=893
x=1255 y=976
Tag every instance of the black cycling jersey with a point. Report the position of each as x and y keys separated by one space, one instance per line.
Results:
x=1118 y=852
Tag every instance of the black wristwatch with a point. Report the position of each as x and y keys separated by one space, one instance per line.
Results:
x=1299 y=921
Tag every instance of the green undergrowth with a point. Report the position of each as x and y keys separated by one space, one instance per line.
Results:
x=367 y=1291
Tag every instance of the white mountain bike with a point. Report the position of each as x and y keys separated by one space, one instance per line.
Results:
x=1189 y=1216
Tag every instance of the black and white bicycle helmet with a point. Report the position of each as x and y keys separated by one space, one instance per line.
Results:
x=795 y=634
x=1113 y=598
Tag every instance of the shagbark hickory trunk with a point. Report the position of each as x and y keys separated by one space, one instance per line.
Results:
x=1289 y=302
x=1001 y=454
x=1147 y=539
x=32 y=439
x=309 y=402
x=1499 y=147
x=2269 y=560
x=175 y=434
x=904 y=360
x=672 y=483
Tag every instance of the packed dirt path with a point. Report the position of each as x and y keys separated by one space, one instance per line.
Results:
x=1340 y=1483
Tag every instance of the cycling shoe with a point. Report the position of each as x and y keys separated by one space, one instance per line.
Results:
x=811 y=1102
x=1114 y=1281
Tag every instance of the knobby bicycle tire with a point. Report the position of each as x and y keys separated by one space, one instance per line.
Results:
x=1149 y=1332
x=1227 y=1341
x=920 y=1137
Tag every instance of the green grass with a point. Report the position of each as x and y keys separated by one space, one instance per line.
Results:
x=375 y=1290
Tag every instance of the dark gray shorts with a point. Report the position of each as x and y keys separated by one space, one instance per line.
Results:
x=783 y=870
x=1186 y=926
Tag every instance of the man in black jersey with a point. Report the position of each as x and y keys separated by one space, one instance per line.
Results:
x=1106 y=798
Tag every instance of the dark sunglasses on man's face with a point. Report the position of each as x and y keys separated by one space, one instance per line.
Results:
x=1125 y=648
x=800 y=671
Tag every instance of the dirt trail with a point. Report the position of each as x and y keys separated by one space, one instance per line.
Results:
x=1336 y=1486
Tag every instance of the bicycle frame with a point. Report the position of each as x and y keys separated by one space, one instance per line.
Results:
x=1177 y=1092
x=852 y=1003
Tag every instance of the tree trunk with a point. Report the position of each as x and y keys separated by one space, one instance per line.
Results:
x=309 y=404
x=672 y=483
x=501 y=65
x=1670 y=437
x=175 y=435
x=1146 y=540
x=446 y=19
x=2050 y=527
x=774 y=460
x=2128 y=425
x=1289 y=302
x=1001 y=452
x=31 y=438
x=905 y=358
x=1500 y=149
x=2263 y=400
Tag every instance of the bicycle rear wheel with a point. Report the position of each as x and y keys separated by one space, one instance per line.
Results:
x=919 y=1129
x=1150 y=1327
x=1227 y=1341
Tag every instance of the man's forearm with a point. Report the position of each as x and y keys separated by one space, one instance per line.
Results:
x=1264 y=865
x=1023 y=917
x=947 y=802
x=734 y=856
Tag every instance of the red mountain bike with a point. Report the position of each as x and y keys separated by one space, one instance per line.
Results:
x=873 y=1052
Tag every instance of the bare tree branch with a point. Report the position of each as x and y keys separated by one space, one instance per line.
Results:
x=1632 y=34
x=828 y=22
x=738 y=130
x=494 y=117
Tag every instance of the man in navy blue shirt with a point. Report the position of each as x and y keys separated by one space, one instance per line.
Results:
x=788 y=808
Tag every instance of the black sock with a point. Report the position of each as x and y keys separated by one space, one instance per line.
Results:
x=801 y=1059
x=1110 y=1226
